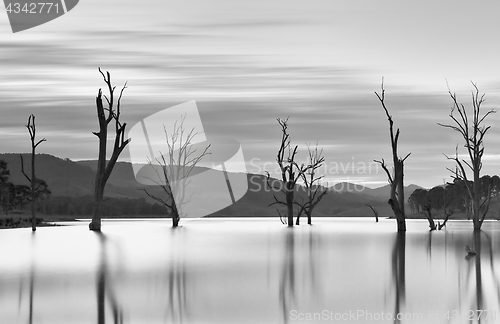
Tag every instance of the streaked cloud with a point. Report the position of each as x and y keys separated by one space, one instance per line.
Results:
x=318 y=64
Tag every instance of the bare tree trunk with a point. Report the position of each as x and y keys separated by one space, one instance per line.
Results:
x=31 y=126
x=396 y=200
x=104 y=170
x=96 y=211
x=475 y=201
x=445 y=220
x=309 y=217
x=33 y=200
x=374 y=212
x=401 y=193
x=315 y=192
x=289 y=202
x=291 y=171
x=175 y=215
x=472 y=132
x=100 y=183
x=432 y=224
x=302 y=209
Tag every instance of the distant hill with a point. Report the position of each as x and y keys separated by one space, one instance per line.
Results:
x=379 y=193
x=74 y=179
x=385 y=191
x=69 y=178
x=256 y=201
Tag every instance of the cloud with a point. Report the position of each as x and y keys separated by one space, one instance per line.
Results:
x=244 y=70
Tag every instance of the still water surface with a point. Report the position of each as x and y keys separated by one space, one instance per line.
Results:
x=250 y=271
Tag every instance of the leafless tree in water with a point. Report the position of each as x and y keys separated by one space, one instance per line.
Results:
x=396 y=200
x=106 y=115
x=472 y=131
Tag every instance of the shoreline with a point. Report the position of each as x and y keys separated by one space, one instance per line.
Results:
x=24 y=220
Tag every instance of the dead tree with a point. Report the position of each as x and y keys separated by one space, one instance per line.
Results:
x=446 y=214
x=315 y=192
x=290 y=170
x=428 y=213
x=425 y=200
x=32 y=180
x=173 y=171
x=106 y=115
x=472 y=132
x=397 y=199
x=375 y=212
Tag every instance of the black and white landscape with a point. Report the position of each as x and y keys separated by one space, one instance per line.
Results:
x=250 y=162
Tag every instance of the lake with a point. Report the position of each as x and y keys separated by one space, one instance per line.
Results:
x=250 y=270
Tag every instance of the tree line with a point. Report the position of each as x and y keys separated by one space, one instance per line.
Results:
x=453 y=197
x=15 y=198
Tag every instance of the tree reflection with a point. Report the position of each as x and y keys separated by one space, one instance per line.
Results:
x=31 y=288
x=479 y=281
x=299 y=262
x=104 y=287
x=484 y=252
x=399 y=273
x=32 y=280
x=176 y=278
x=474 y=259
x=314 y=244
x=287 y=280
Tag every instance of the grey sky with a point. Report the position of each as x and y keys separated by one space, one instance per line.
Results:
x=247 y=63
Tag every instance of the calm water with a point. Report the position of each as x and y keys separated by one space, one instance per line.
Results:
x=250 y=271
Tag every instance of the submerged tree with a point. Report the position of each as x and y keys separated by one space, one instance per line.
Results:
x=396 y=200
x=375 y=212
x=290 y=170
x=173 y=171
x=425 y=203
x=472 y=131
x=315 y=191
x=105 y=117
x=34 y=182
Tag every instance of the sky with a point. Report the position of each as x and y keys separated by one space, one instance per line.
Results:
x=246 y=63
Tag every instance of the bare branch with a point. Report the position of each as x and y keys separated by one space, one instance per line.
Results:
x=396 y=200
x=22 y=169
x=473 y=132
x=384 y=166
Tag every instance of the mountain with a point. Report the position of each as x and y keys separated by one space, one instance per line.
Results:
x=75 y=179
x=385 y=191
x=68 y=178
x=259 y=196
x=379 y=193
x=352 y=187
